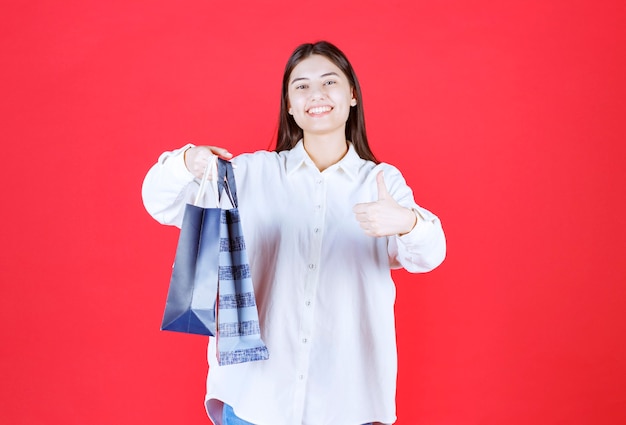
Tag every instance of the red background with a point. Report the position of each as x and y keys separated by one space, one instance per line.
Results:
x=507 y=119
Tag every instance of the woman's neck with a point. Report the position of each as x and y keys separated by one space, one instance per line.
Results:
x=325 y=150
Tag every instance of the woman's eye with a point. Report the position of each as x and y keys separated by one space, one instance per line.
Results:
x=301 y=87
x=330 y=82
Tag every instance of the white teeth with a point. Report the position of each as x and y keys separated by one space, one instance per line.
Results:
x=319 y=109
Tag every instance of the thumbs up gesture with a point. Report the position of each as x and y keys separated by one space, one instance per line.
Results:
x=384 y=217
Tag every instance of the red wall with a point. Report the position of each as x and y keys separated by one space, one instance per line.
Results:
x=507 y=118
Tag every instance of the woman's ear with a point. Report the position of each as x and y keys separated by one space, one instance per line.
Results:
x=353 y=101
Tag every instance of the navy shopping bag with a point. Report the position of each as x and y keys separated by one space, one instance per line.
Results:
x=211 y=291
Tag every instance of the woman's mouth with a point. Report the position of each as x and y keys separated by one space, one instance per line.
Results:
x=319 y=110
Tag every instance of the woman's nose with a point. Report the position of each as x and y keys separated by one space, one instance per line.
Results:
x=318 y=92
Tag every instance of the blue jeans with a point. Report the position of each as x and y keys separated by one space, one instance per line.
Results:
x=229 y=417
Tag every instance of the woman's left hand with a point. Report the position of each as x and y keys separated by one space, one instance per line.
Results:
x=384 y=217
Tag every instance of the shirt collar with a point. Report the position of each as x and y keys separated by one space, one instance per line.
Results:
x=298 y=157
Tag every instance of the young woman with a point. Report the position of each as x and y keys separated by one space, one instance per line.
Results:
x=324 y=223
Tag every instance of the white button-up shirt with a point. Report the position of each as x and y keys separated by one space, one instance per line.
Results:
x=323 y=288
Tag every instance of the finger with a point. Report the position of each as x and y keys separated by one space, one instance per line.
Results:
x=359 y=208
x=383 y=193
x=221 y=152
x=364 y=208
x=361 y=219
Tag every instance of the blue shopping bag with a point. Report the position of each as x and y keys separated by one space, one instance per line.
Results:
x=211 y=290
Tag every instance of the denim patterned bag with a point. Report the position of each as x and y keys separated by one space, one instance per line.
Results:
x=238 y=333
x=211 y=291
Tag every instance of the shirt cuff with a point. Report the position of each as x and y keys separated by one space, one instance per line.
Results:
x=424 y=222
x=174 y=163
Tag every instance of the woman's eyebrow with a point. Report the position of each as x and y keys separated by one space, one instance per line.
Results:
x=298 y=79
x=321 y=76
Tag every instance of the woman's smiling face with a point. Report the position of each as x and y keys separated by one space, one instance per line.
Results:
x=320 y=96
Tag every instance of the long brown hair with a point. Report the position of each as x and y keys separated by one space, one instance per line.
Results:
x=288 y=131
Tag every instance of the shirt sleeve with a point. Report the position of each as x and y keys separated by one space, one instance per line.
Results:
x=424 y=247
x=168 y=186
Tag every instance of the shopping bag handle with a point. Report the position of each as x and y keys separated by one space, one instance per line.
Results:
x=226 y=180
x=212 y=168
x=222 y=179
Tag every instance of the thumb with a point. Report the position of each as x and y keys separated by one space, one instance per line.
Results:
x=383 y=193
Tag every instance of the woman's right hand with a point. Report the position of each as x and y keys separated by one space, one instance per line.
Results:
x=197 y=158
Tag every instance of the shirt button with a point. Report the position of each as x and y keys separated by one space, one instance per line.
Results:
x=311 y=266
x=316 y=230
x=308 y=303
x=301 y=377
x=319 y=181
x=304 y=340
